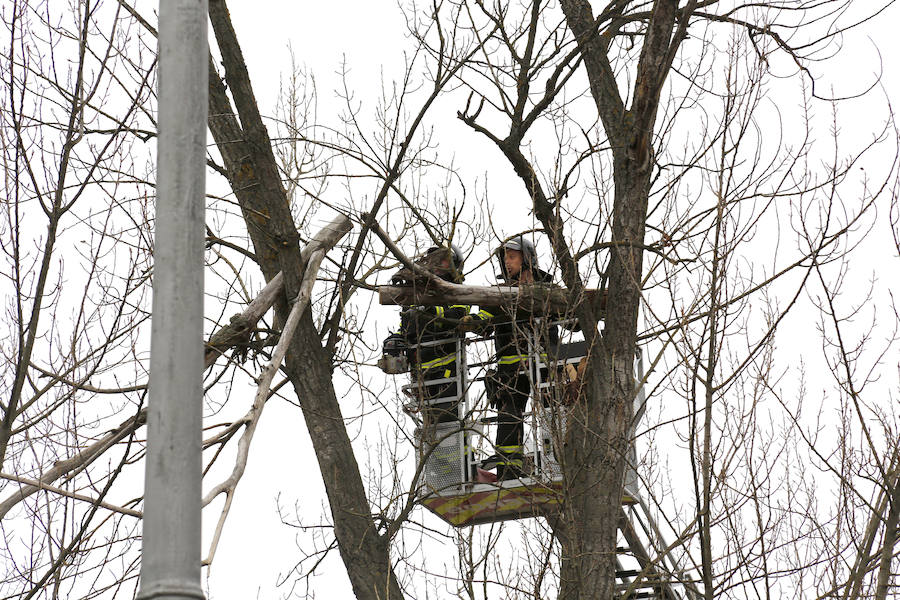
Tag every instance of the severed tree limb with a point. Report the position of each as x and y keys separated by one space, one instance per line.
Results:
x=534 y=298
x=77 y=462
x=238 y=331
x=251 y=419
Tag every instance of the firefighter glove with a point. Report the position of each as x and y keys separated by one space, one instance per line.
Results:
x=468 y=323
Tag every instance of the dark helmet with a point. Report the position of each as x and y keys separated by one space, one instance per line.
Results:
x=457 y=260
x=529 y=256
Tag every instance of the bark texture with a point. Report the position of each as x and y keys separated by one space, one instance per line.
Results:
x=598 y=438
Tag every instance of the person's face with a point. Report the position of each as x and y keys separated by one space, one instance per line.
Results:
x=512 y=260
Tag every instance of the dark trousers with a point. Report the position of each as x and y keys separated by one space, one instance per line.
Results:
x=510 y=390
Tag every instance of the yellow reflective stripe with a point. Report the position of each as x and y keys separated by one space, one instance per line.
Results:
x=440 y=311
x=465 y=306
x=510 y=449
x=447 y=373
x=512 y=359
x=485 y=314
x=438 y=362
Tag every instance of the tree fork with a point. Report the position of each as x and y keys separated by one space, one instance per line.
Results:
x=238 y=332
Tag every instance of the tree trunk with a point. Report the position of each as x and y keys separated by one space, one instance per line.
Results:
x=598 y=439
x=364 y=551
x=255 y=179
x=598 y=435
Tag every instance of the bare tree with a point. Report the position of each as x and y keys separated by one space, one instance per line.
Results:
x=77 y=257
x=683 y=151
x=644 y=137
x=267 y=213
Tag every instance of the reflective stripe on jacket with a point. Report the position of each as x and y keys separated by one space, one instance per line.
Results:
x=510 y=335
x=419 y=324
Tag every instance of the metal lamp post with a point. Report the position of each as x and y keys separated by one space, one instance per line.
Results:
x=171 y=539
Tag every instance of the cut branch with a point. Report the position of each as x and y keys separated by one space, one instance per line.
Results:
x=238 y=331
x=251 y=419
x=529 y=298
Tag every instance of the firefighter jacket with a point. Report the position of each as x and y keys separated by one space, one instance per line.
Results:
x=513 y=331
x=422 y=326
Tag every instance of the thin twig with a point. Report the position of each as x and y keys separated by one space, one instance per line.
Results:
x=56 y=490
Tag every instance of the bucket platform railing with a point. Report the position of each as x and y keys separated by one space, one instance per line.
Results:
x=450 y=451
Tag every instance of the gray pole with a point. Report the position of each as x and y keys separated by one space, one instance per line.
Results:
x=170 y=568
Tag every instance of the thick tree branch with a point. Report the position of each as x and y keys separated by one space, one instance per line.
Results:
x=238 y=332
x=75 y=463
x=529 y=298
x=255 y=180
x=602 y=79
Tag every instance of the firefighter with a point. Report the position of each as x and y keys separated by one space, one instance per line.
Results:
x=509 y=385
x=428 y=336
